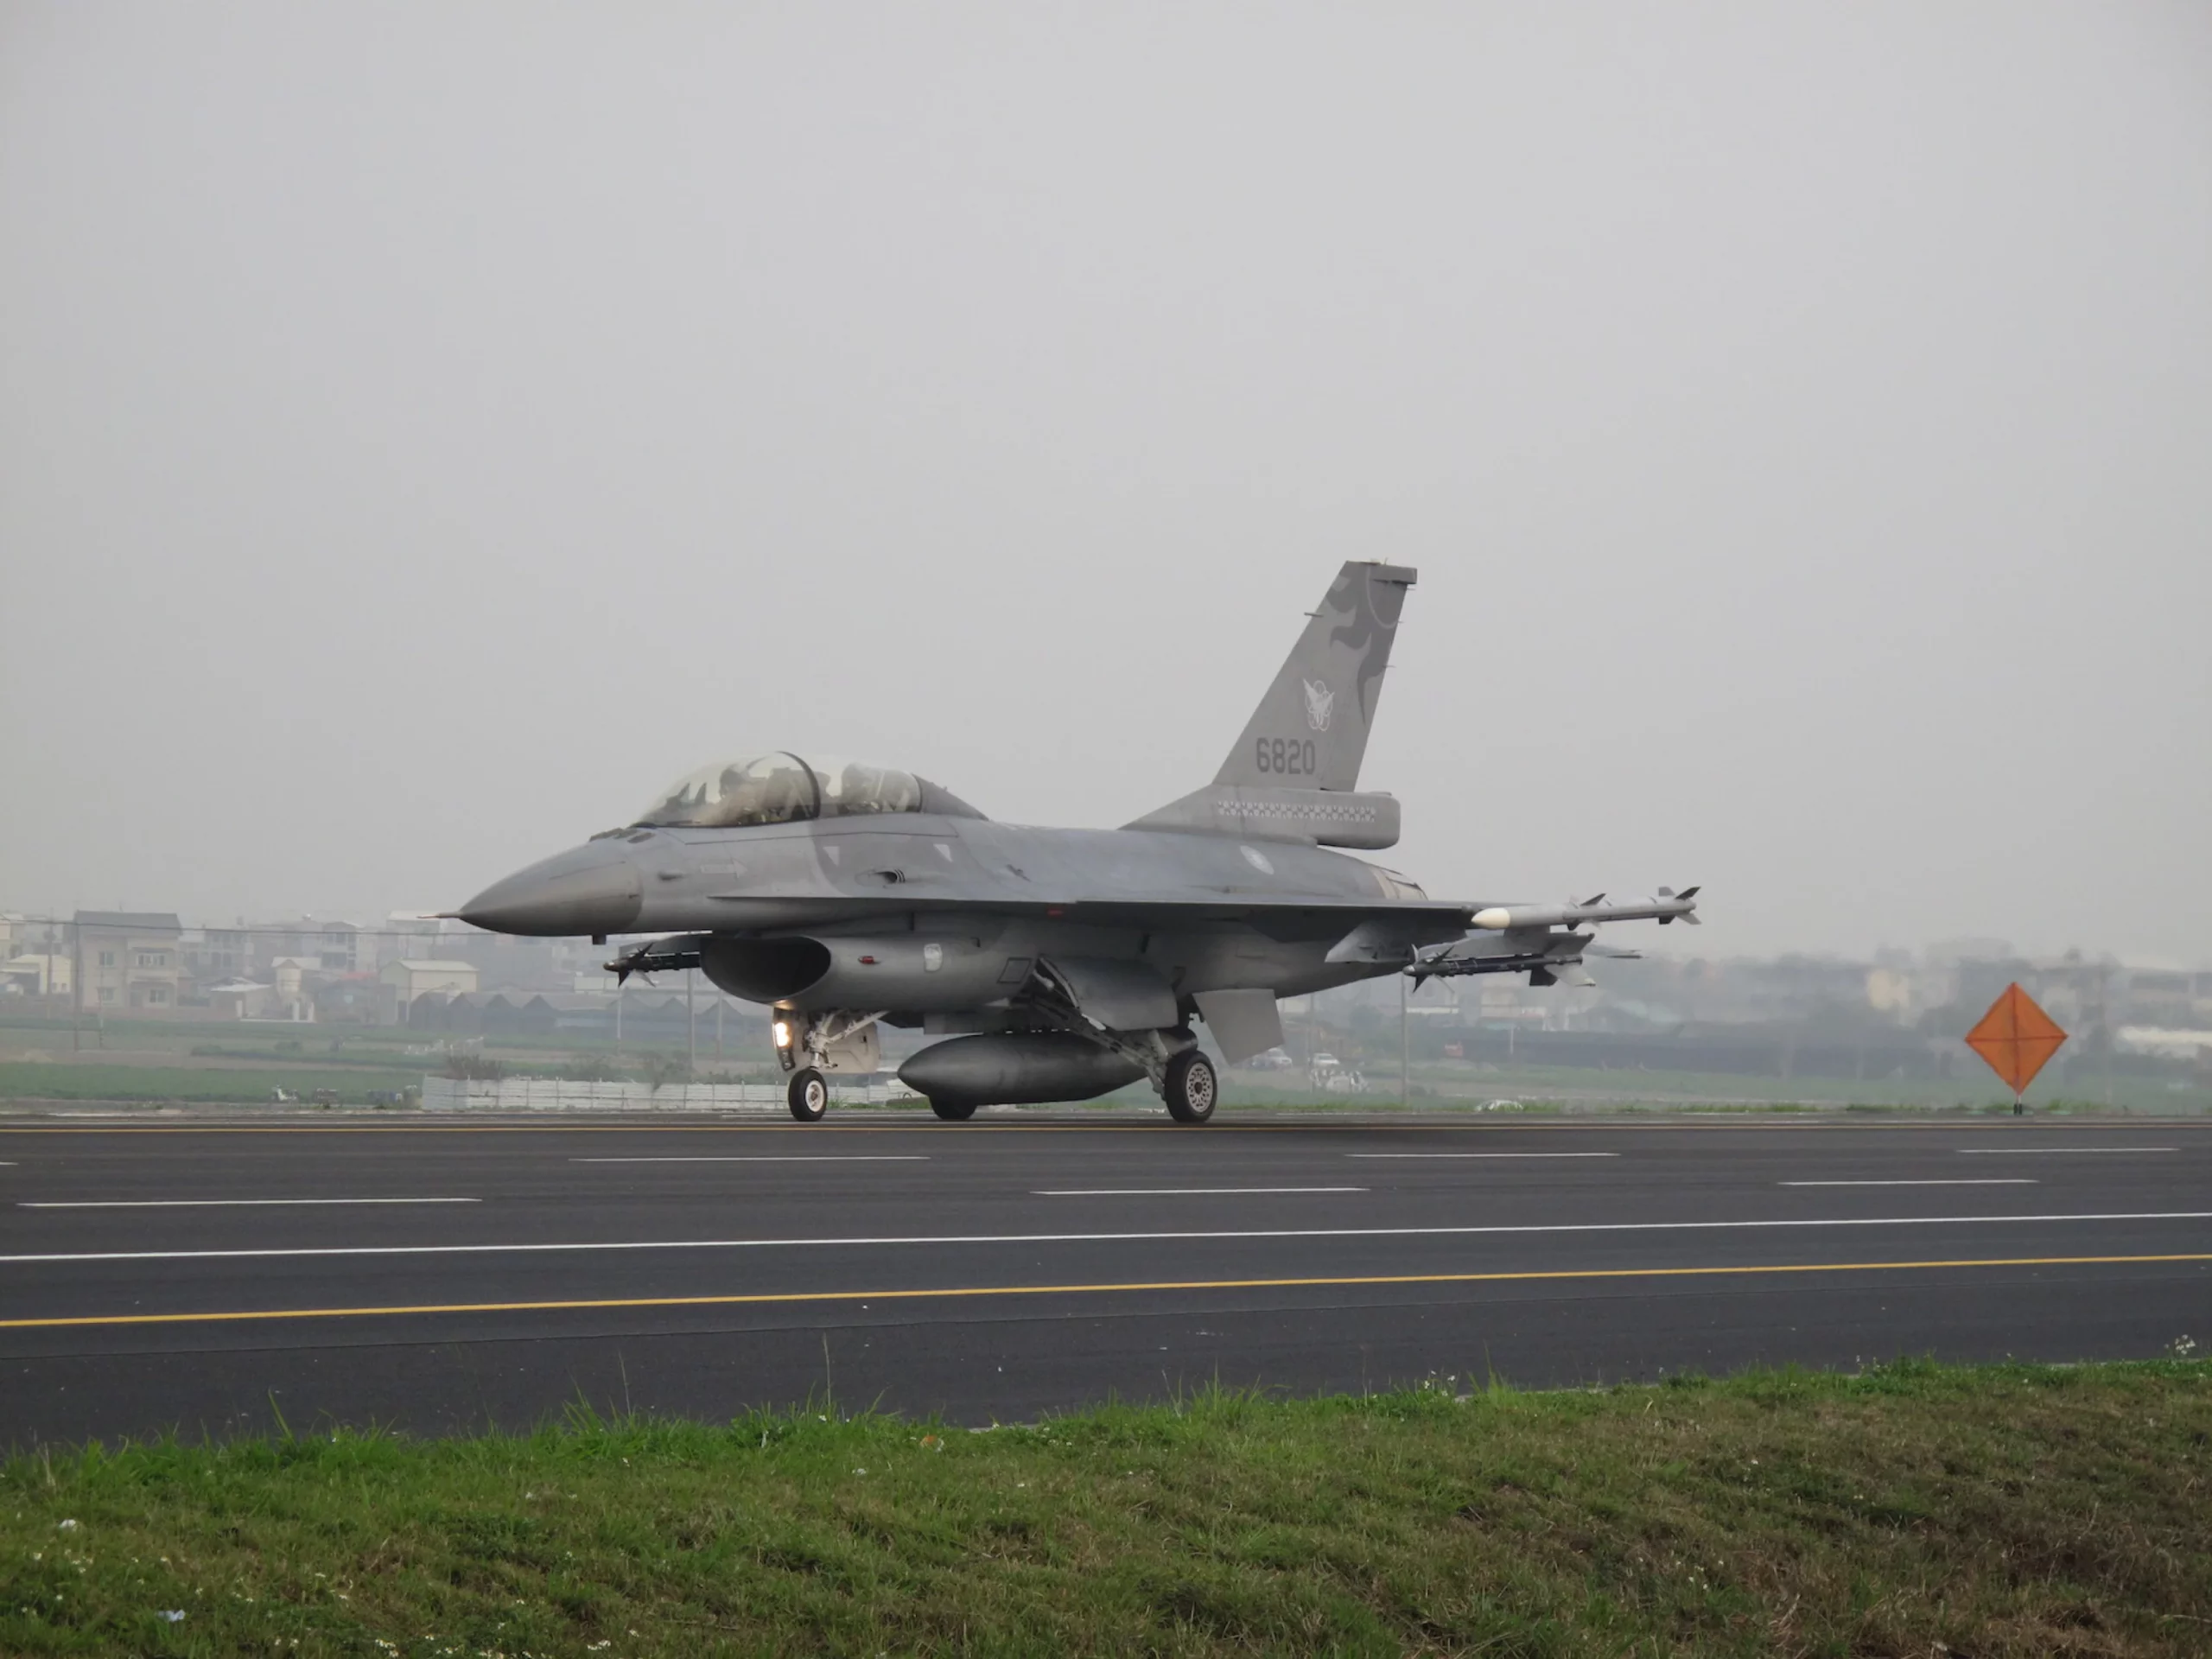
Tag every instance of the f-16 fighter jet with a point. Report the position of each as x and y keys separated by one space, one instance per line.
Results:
x=1055 y=964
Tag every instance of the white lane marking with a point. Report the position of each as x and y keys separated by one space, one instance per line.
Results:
x=1993 y=1152
x=213 y=1203
x=1172 y=1191
x=1967 y=1180
x=775 y=1158
x=1480 y=1153
x=1084 y=1238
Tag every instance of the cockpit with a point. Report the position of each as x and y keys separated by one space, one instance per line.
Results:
x=782 y=788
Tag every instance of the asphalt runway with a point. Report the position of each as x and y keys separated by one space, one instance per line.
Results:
x=215 y=1278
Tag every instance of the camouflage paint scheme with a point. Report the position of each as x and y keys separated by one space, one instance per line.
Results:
x=1117 y=939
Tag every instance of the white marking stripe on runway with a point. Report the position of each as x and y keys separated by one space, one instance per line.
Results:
x=1480 y=1153
x=213 y=1203
x=1997 y=1152
x=1084 y=1238
x=1964 y=1180
x=1172 y=1191
x=775 y=1158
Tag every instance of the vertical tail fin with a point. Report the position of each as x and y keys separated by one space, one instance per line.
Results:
x=1310 y=731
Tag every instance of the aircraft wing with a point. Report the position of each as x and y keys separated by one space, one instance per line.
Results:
x=1374 y=930
x=1285 y=919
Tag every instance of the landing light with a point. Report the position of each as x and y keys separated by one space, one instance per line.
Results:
x=783 y=1031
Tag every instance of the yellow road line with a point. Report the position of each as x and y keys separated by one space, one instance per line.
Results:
x=945 y=1292
x=981 y=1131
x=1162 y=1127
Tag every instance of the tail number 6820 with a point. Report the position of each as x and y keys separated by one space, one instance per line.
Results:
x=1289 y=756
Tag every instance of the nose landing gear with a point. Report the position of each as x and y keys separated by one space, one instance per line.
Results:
x=839 y=1040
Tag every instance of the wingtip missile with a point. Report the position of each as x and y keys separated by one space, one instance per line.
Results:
x=1668 y=906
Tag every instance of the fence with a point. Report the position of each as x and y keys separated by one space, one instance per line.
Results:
x=560 y=1095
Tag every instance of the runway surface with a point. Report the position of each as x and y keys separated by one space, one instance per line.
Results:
x=207 y=1277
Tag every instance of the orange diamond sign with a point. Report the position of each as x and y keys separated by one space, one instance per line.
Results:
x=2016 y=1038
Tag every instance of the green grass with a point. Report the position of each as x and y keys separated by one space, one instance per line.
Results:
x=1914 y=1510
x=175 y=1035
x=90 y=1080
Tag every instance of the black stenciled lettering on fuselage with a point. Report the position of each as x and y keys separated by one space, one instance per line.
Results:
x=1288 y=756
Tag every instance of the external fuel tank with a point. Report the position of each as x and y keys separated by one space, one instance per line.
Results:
x=1015 y=1068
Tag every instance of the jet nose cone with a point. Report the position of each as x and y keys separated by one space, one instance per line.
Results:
x=589 y=890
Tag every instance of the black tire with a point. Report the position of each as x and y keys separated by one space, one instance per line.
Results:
x=808 y=1095
x=953 y=1111
x=1191 y=1087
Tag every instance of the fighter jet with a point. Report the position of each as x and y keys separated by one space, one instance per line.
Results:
x=1054 y=965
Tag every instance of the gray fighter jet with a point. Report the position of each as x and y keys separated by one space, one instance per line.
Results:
x=1056 y=964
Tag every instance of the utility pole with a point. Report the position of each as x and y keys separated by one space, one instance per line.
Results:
x=1405 y=1048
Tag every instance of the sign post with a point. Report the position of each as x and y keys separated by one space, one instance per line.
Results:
x=2016 y=1039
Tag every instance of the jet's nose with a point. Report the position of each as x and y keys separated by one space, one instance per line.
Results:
x=588 y=889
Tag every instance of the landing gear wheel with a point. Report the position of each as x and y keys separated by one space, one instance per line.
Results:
x=1191 y=1087
x=953 y=1111
x=810 y=1095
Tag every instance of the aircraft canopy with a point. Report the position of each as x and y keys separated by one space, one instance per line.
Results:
x=782 y=788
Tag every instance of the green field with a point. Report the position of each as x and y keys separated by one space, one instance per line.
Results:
x=1914 y=1510
x=154 y=1084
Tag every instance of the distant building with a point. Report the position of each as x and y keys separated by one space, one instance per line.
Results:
x=213 y=955
x=241 y=999
x=2165 y=998
x=292 y=995
x=36 y=974
x=35 y=957
x=348 y=1000
x=411 y=977
x=130 y=960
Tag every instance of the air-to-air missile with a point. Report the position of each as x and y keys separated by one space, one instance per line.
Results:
x=1666 y=907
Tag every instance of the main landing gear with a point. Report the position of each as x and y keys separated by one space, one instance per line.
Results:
x=953 y=1111
x=808 y=1095
x=1190 y=1087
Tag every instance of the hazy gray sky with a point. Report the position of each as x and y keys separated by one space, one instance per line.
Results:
x=426 y=429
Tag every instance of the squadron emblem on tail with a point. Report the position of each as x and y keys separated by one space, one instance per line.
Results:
x=1319 y=702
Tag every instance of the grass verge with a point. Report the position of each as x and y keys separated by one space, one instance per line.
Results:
x=201 y=1085
x=1914 y=1510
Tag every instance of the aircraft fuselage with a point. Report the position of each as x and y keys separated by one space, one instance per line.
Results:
x=989 y=895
